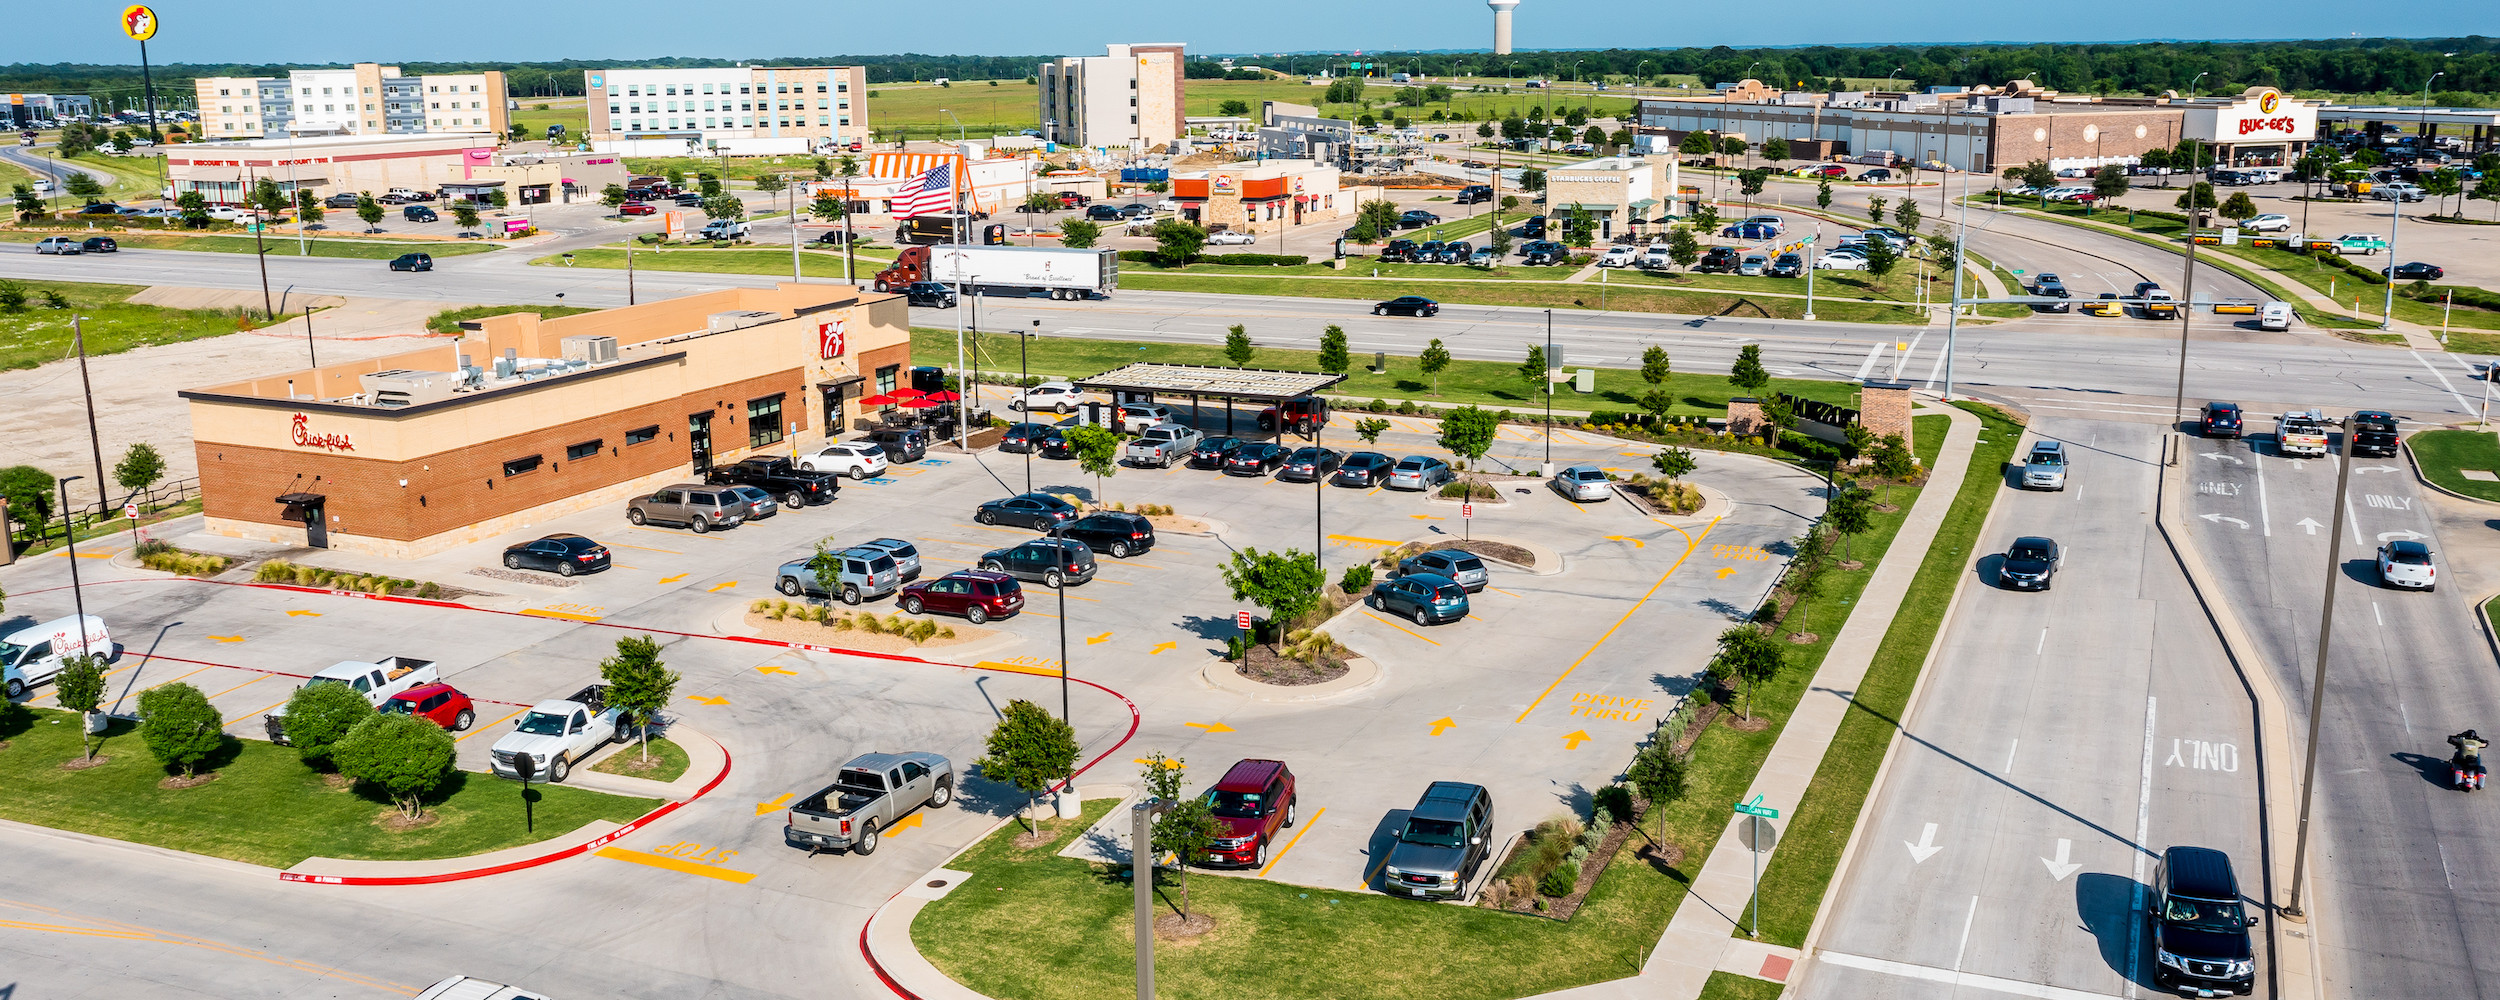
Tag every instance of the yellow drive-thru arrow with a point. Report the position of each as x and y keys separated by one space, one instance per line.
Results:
x=1442 y=723
x=1103 y=638
x=708 y=699
x=770 y=669
x=303 y=614
x=1210 y=727
x=1573 y=739
x=904 y=823
x=1726 y=571
x=1636 y=543
x=672 y=579
x=1161 y=648
x=227 y=638
x=718 y=587
x=764 y=807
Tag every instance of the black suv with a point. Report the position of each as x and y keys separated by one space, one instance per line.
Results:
x=1102 y=213
x=2200 y=931
x=412 y=262
x=1472 y=194
x=1121 y=534
x=2374 y=433
x=929 y=293
x=1213 y=452
x=1049 y=561
x=2220 y=420
x=1719 y=260
x=1415 y=217
x=902 y=444
x=1535 y=253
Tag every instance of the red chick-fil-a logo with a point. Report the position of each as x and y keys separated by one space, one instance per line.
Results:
x=2283 y=125
x=331 y=441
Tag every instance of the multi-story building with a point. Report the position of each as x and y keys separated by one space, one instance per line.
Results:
x=1614 y=190
x=365 y=99
x=1128 y=99
x=741 y=108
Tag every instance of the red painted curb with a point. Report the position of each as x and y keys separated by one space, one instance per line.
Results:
x=871 y=956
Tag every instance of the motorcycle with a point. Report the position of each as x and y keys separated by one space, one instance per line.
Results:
x=2465 y=775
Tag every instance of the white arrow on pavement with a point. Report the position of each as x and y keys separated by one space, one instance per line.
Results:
x=1925 y=848
x=2311 y=524
x=2389 y=536
x=2218 y=519
x=2060 y=868
x=2359 y=469
x=2220 y=457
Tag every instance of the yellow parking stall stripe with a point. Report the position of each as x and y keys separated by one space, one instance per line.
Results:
x=1692 y=543
x=1010 y=668
x=930 y=558
x=1297 y=838
x=646 y=548
x=1402 y=628
x=243 y=685
x=676 y=865
x=474 y=730
x=1499 y=590
x=1569 y=437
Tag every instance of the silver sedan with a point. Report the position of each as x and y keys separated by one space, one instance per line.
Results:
x=1419 y=472
x=1583 y=483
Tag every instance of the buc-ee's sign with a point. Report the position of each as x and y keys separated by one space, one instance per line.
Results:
x=2263 y=117
x=306 y=437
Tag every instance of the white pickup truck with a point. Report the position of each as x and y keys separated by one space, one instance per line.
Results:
x=1161 y=446
x=559 y=734
x=2300 y=433
x=377 y=680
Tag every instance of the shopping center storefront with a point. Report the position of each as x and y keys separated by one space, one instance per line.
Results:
x=522 y=419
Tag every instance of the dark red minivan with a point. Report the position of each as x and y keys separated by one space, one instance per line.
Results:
x=977 y=595
x=1253 y=804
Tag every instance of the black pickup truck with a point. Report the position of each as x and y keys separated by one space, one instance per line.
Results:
x=2374 y=433
x=794 y=486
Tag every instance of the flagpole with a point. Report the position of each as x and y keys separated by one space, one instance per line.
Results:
x=963 y=386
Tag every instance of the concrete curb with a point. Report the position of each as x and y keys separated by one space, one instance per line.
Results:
x=2294 y=947
x=2484 y=617
x=226 y=865
x=2410 y=460
x=1892 y=748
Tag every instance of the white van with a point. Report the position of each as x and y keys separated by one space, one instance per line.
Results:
x=2275 y=316
x=32 y=655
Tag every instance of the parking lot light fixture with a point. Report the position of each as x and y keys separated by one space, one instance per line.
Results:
x=1024 y=373
x=1550 y=365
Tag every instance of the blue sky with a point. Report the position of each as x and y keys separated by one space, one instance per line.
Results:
x=289 y=31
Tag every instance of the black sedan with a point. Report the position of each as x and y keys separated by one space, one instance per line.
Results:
x=1020 y=438
x=1364 y=468
x=2417 y=271
x=1039 y=511
x=1310 y=465
x=1415 y=217
x=563 y=555
x=1212 y=453
x=1407 y=305
x=1255 y=458
x=1120 y=534
x=100 y=244
x=1053 y=443
x=2031 y=563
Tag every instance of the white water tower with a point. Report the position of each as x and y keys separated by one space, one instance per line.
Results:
x=1501 y=24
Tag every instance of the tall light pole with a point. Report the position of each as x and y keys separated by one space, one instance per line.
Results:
x=2187 y=290
x=79 y=337
x=1812 y=254
x=794 y=233
x=2395 y=217
x=1024 y=371
x=1548 y=376
x=2317 y=683
x=69 y=537
x=1952 y=320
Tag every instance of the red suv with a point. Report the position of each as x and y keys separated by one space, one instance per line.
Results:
x=440 y=704
x=977 y=595
x=1302 y=413
x=1253 y=804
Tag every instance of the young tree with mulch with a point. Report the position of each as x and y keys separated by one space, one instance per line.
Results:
x=1029 y=749
x=1237 y=346
x=1369 y=429
x=1658 y=773
x=1433 y=361
x=1097 y=451
x=1747 y=373
x=1673 y=463
x=1284 y=584
x=639 y=683
x=319 y=715
x=1333 y=357
x=181 y=728
x=406 y=756
x=1851 y=512
x=80 y=687
x=1655 y=368
x=1184 y=831
x=1749 y=657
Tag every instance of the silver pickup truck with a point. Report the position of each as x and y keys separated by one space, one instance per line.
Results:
x=867 y=796
x=1161 y=446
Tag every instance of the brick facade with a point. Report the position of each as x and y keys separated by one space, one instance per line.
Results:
x=1884 y=409
x=2087 y=132
x=1744 y=417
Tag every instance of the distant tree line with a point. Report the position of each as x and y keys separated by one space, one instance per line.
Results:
x=525 y=80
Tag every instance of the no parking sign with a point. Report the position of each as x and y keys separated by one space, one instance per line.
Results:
x=1241 y=620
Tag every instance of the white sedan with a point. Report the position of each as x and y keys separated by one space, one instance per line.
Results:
x=1231 y=238
x=1839 y=262
x=856 y=459
x=1621 y=256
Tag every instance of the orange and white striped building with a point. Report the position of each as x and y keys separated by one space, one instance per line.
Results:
x=995 y=184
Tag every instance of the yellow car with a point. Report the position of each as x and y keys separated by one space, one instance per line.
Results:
x=2106 y=305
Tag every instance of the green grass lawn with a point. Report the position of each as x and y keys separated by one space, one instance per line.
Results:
x=266 y=807
x=277 y=245
x=2443 y=453
x=41 y=334
x=571 y=112
x=1072 y=920
x=1793 y=885
x=669 y=757
x=1492 y=384
x=128 y=178
x=1729 y=986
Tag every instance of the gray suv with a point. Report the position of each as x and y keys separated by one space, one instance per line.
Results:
x=1446 y=838
x=1461 y=566
x=859 y=574
x=2045 y=467
x=698 y=507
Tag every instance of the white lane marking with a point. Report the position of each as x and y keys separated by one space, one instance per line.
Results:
x=2462 y=405
x=2374 y=613
x=2064 y=865
x=1872 y=350
x=2407 y=717
x=2143 y=835
x=1935 y=372
x=2042 y=644
x=1925 y=848
x=1966 y=922
x=2264 y=514
x=2352 y=520
x=2009 y=755
x=1950 y=977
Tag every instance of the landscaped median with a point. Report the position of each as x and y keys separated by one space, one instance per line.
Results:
x=2450 y=458
x=1072 y=937
x=266 y=807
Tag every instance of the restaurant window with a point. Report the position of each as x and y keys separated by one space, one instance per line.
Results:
x=586 y=449
x=520 y=465
x=885 y=378
x=763 y=421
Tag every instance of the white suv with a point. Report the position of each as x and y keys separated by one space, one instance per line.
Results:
x=1058 y=396
x=856 y=459
x=2269 y=223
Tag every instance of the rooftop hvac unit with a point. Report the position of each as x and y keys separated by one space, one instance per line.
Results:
x=590 y=350
x=399 y=387
x=724 y=322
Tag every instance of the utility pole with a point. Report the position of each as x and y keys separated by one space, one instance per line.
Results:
x=2317 y=682
x=78 y=337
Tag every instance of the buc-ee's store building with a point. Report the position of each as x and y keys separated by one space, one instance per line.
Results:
x=522 y=418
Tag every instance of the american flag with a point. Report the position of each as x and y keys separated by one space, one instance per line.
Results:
x=930 y=192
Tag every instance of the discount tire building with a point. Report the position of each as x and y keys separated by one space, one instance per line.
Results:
x=522 y=419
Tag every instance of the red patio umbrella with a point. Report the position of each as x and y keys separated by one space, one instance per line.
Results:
x=880 y=399
x=942 y=396
x=923 y=403
x=906 y=393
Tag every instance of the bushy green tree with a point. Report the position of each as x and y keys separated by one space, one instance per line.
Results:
x=29 y=204
x=1177 y=241
x=1682 y=248
x=1673 y=463
x=1375 y=221
x=1029 y=749
x=1774 y=149
x=828 y=207
x=1284 y=584
x=30 y=492
x=1823 y=193
x=405 y=756
x=464 y=214
x=2238 y=207
x=368 y=209
x=319 y=715
x=1850 y=512
x=1906 y=215
x=308 y=209
x=1370 y=429
x=1432 y=362
x=715 y=206
x=79 y=686
x=1468 y=432
x=1881 y=257
x=1097 y=451
x=1535 y=372
x=1183 y=831
x=639 y=683
x=2199 y=197
x=194 y=208
x=1658 y=772
x=1747 y=373
x=1696 y=144
x=612 y=195
x=771 y=183
x=140 y=467
x=1748 y=658
x=2109 y=183
x=1875 y=207
x=179 y=726
x=1654 y=370
x=1079 y=234
x=81 y=184
x=1237 y=346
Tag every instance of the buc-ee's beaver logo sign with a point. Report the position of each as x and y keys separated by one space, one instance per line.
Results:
x=139 y=22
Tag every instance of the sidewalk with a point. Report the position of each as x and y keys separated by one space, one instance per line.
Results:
x=1705 y=934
